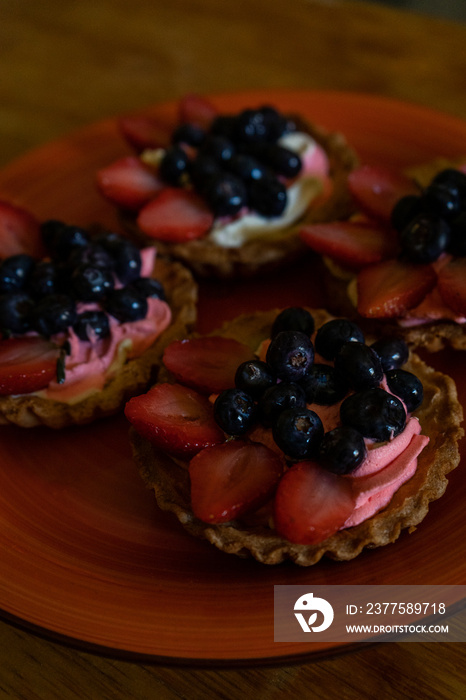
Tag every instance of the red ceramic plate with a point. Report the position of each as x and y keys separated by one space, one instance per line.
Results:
x=85 y=554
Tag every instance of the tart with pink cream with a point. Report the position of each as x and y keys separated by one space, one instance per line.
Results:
x=224 y=193
x=289 y=435
x=84 y=316
x=400 y=263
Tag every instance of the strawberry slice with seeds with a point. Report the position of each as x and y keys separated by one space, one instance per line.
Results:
x=452 y=285
x=230 y=479
x=311 y=503
x=195 y=109
x=376 y=189
x=143 y=131
x=27 y=364
x=129 y=183
x=176 y=215
x=392 y=287
x=175 y=418
x=352 y=244
x=19 y=232
x=207 y=364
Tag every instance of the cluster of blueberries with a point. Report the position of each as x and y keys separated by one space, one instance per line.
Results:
x=237 y=163
x=42 y=295
x=434 y=221
x=275 y=392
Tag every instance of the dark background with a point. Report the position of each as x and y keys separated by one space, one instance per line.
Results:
x=450 y=9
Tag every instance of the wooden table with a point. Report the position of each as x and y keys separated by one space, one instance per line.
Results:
x=67 y=64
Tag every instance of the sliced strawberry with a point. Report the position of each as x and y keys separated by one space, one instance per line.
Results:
x=392 y=287
x=175 y=215
x=352 y=244
x=129 y=183
x=311 y=503
x=19 y=232
x=452 y=285
x=231 y=479
x=145 y=131
x=195 y=109
x=26 y=364
x=175 y=418
x=207 y=364
x=376 y=189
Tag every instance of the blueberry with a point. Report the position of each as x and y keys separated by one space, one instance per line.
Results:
x=457 y=245
x=44 y=279
x=148 y=287
x=15 y=311
x=125 y=254
x=278 y=398
x=442 y=200
x=407 y=387
x=247 y=167
x=92 y=324
x=225 y=125
x=294 y=318
x=91 y=283
x=276 y=124
x=290 y=355
x=393 y=352
x=453 y=179
x=254 y=377
x=252 y=126
x=298 y=432
x=53 y=314
x=191 y=134
x=14 y=272
x=226 y=194
x=324 y=386
x=374 y=413
x=425 y=239
x=332 y=335
x=235 y=411
x=204 y=169
x=405 y=210
x=173 y=165
x=281 y=160
x=359 y=365
x=126 y=305
x=220 y=148
x=267 y=196
x=94 y=255
x=342 y=450
x=61 y=239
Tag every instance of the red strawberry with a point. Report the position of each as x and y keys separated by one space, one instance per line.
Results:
x=392 y=287
x=231 y=479
x=452 y=285
x=349 y=243
x=311 y=503
x=176 y=215
x=26 y=364
x=376 y=190
x=207 y=364
x=144 y=131
x=19 y=232
x=195 y=109
x=129 y=183
x=175 y=418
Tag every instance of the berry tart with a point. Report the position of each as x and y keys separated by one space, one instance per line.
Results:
x=84 y=317
x=288 y=435
x=401 y=261
x=224 y=193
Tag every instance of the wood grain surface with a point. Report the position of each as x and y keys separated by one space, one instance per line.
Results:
x=68 y=63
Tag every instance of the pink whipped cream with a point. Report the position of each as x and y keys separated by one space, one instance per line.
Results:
x=90 y=363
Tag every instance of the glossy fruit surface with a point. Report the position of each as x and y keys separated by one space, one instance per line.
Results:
x=392 y=351
x=374 y=413
x=332 y=335
x=342 y=450
x=359 y=365
x=254 y=377
x=176 y=215
x=298 y=432
x=26 y=364
x=235 y=411
x=407 y=387
x=290 y=355
x=294 y=318
x=324 y=386
x=279 y=398
x=231 y=479
x=126 y=305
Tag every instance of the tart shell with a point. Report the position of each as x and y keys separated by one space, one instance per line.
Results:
x=28 y=411
x=207 y=259
x=440 y=415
